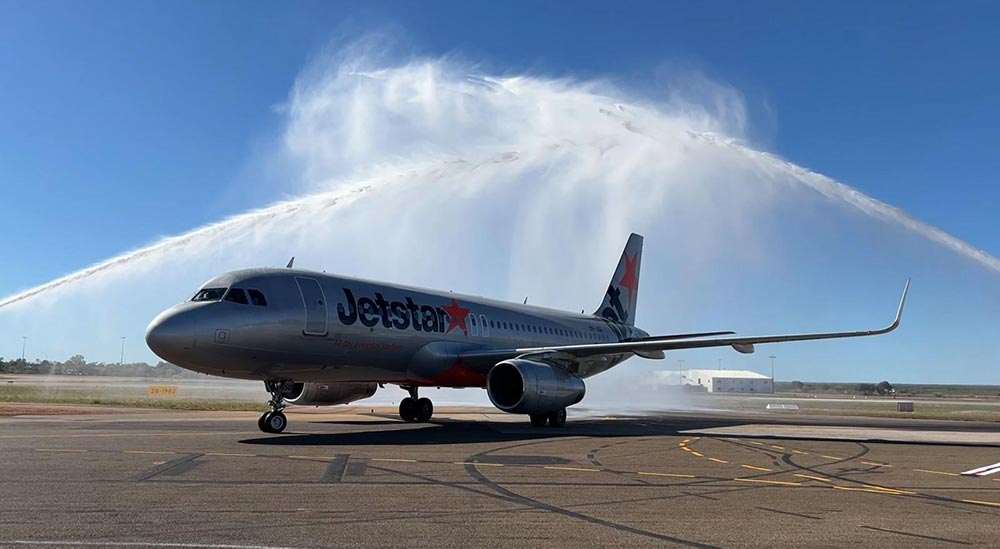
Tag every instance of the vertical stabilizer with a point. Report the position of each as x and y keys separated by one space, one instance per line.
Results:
x=620 y=300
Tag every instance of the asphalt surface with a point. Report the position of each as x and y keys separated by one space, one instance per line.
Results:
x=474 y=478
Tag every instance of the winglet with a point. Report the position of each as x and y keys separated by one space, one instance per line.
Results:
x=902 y=303
x=290 y=263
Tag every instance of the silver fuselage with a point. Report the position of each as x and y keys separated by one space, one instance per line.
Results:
x=319 y=327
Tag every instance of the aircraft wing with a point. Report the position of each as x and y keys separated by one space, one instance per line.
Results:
x=672 y=343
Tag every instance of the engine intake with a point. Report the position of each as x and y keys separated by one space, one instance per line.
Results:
x=328 y=394
x=520 y=386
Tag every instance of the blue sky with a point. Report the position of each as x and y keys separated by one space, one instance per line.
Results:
x=114 y=113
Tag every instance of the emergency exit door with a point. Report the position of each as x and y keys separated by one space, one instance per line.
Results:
x=315 y=304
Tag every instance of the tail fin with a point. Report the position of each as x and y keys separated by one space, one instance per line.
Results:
x=620 y=299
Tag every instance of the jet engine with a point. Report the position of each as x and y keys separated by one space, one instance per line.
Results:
x=327 y=394
x=520 y=386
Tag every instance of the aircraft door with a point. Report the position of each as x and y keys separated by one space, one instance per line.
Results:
x=315 y=306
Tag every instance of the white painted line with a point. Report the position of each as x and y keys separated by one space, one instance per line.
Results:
x=983 y=471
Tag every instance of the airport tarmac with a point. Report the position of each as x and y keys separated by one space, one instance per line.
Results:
x=73 y=476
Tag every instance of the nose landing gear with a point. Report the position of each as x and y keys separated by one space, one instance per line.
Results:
x=275 y=420
x=413 y=409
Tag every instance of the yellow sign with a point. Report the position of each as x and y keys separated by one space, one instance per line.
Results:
x=162 y=391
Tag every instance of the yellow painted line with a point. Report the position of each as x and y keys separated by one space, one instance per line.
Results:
x=775 y=482
x=324 y=458
x=810 y=477
x=687 y=440
x=756 y=468
x=832 y=457
x=717 y=460
x=59 y=450
x=479 y=464
x=674 y=475
x=147 y=452
x=977 y=502
x=876 y=464
x=697 y=453
x=889 y=490
x=394 y=460
x=776 y=447
x=229 y=455
x=572 y=469
x=800 y=452
x=686 y=449
x=755 y=442
x=875 y=490
x=937 y=472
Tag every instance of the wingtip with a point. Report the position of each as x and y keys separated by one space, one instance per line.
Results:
x=902 y=303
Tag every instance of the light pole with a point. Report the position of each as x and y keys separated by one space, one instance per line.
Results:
x=122 y=362
x=680 y=372
x=24 y=343
x=772 y=357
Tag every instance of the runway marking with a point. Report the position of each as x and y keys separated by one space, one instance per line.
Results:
x=876 y=464
x=685 y=441
x=223 y=454
x=673 y=475
x=319 y=458
x=686 y=449
x=810 y=477
x=776 y=447
x=699 y=454
x=60 y=450
x=146 y=452
x=756 y=468
x=481 y=464
x=775 y=482
x=336 y=469
x=801 y=453
x=977 y=502
x=875 y=490
x=394 y=460
x=163 y=467
x=717 y=460
x=983 y=471
x=832 y=457
x=937 y=472
x=572 y=469
x=76 y=543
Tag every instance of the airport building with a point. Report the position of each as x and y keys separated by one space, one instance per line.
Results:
x=730 y=381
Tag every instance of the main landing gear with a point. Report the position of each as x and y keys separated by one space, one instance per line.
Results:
x=275 y=420
x=555 y=419
x=413 y=409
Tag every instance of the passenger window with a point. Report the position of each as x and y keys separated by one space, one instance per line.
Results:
x=257 y=298
x=236 y=295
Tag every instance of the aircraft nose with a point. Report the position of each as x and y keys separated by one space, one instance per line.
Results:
x=171 y=335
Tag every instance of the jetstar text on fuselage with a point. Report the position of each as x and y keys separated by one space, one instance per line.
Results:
x=401 y=315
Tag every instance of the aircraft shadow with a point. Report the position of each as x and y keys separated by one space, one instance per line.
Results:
x=471 y=432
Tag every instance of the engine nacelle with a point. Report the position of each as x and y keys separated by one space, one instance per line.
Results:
x=328 y=394
x=520 y=386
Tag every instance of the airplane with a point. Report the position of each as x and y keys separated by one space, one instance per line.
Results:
x=317 y=339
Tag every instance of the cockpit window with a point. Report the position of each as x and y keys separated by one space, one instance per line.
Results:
x=257 y=298
x=209 y=294
x=236 y=295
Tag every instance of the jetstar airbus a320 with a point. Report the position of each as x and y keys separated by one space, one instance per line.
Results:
x=318 y=339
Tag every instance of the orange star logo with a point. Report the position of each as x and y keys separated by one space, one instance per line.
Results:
x=630 y=279
x=456 y=317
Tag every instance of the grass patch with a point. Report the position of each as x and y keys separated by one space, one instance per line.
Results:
x=122 y=397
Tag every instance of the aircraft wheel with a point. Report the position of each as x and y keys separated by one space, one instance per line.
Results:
x=276 y=422
x=558 y=419
x=408 y=409
x=539 y=420
x=262 y=422
x=424 y=409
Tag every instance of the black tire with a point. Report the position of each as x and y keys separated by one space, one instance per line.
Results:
x=276 y=422
x=424 y=409
x=408 y=409
x=539 y=420
x=262 y=422
x=558 y=418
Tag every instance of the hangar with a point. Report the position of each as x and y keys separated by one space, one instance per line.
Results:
x=730 y=381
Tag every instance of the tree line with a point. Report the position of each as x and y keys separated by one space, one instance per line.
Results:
x=80 y=366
